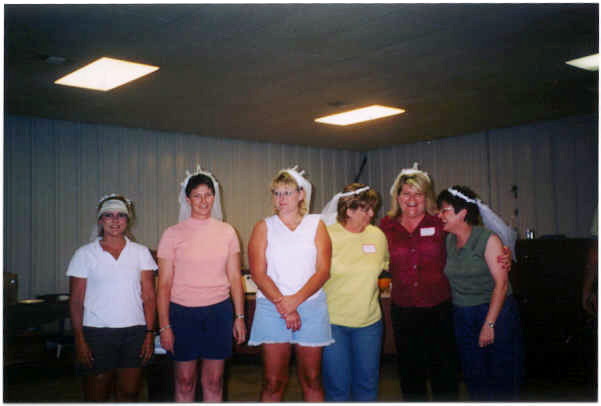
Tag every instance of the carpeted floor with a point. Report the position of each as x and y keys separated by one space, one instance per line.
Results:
x=38 y=376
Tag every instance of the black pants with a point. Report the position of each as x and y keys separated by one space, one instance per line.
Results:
x=425 y=344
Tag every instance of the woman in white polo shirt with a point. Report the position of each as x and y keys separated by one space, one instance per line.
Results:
x=112 y=305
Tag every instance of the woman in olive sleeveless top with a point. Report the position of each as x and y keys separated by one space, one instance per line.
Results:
x=487 y=324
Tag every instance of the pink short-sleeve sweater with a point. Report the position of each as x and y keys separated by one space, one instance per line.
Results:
x=199 y=250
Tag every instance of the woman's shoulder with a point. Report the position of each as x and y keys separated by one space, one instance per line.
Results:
x=86 y=248
x=223 y=226
x=374 y=232
x=387 y=222
x=482 y=232
x=431 y=220
x=137 y=245
x=313 y=219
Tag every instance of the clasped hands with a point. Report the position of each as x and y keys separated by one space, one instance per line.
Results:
x=286 y=306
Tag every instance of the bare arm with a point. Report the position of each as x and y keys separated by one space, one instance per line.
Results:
x=258 y=262
x=77 y=293
x=589 y=285
x=237 y=292
x=149 y=304
x=494 y=248
x=323 y=244
x=163 y=298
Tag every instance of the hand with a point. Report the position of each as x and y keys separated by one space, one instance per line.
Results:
x=505 y=259
x=239 y=331
x=487 y=336
x=293 y=321
x=83 y=353
x=589 y=303
x=286 y=305
x=167 y=340
x=147 y=347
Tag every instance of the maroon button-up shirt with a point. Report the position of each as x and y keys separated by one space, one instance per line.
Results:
x=417 y=262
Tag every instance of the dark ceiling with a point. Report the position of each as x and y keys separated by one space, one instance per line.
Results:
x=264 y=72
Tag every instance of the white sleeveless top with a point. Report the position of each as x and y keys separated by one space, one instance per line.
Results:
x=291 y=255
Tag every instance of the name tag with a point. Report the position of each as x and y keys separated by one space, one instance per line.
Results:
x=427 y=231
x=369 y=248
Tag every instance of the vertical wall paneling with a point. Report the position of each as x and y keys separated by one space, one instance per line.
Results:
x=18 y=201
x=56 y=171
x=43 y=192
x=67 y=204
x=147 y=230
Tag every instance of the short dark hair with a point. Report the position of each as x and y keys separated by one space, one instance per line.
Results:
x=198 y=180
x=367 y=198
x=473 y=213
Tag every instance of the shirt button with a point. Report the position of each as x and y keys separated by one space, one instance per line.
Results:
x=415 y=284
x=414 y=266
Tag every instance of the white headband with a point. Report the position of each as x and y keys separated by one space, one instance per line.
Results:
x=330 y=211
x=113 y=205
x=108 y=204
x=184 y=208
x=492 y=221
x=301 y=181
x=406 y=172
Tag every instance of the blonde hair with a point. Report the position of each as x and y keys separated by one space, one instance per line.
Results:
x=283 y=178
x=419 y=181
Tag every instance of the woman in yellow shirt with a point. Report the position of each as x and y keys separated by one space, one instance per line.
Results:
x=350 y=366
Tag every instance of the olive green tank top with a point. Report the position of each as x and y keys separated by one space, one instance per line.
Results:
x=471 y=281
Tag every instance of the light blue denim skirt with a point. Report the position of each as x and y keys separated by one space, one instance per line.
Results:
x=269 y=327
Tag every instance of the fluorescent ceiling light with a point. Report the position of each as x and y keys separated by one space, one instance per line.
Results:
x=360 y=115
x=106 y=74
x=590 y=62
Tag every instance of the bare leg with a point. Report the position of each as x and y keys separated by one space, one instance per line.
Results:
x=212 y=380
x=308 y=364
x=98 y=388
x=276 y=358
x=186 y=376
x=129 y=381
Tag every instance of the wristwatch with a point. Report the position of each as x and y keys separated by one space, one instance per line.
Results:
x=491 y=324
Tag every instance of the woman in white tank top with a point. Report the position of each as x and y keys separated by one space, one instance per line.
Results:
x=289 y=256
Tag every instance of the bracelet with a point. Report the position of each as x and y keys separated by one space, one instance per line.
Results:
x=239 y=316
x=164 y=328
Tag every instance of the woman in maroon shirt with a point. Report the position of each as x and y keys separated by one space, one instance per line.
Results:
x=421 y=308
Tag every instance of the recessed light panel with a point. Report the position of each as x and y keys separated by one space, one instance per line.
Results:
x=590 y=62
x=359 y=115
x=106 y=74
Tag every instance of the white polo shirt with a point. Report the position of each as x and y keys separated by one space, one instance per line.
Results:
x=113 y=295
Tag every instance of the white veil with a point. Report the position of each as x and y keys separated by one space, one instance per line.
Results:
x=184 y=208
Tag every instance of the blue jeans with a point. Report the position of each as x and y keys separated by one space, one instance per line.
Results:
x=351 y=366
x=492 y=373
